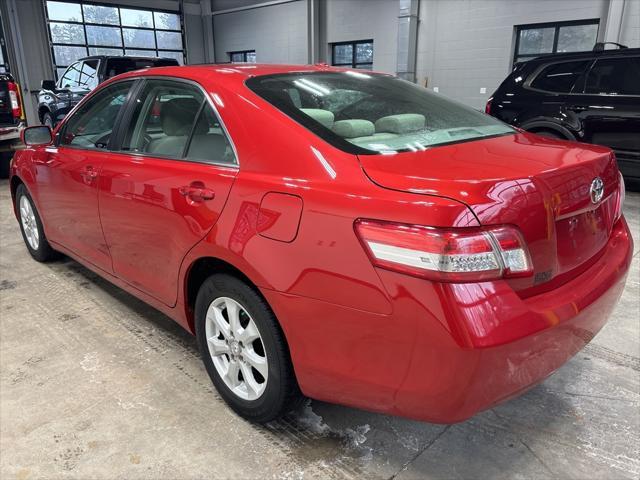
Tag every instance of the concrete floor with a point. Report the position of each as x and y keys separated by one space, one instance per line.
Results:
x=95 y=384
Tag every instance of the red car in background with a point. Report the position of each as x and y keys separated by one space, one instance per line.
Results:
x=341 y=234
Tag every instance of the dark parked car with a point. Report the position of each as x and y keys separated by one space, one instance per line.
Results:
x=56 y=99
x=591 y=97
x=11 y=120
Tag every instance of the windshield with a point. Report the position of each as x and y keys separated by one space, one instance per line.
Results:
x=373 y=113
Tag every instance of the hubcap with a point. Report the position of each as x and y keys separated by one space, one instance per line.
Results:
x=236 y=348
x=28 y=221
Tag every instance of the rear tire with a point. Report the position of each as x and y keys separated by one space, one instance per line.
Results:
x=222 y=302
x=31 y=227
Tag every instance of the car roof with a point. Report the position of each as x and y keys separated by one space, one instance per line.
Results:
x=583 y=55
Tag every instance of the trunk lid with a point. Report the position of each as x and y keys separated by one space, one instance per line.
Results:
x=541 y=185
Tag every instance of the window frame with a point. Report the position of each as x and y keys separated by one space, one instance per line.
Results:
x=557 y=26
x=354 y=50
x=243 y=53
x=127 y=117
x=153 y=52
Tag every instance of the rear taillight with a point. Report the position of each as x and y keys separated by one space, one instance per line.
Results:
x=16 y=104
x=621 y=195
x=446 y=254
x=487 y=108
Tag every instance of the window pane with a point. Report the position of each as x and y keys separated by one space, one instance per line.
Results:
x=134 y=37
x=342 y=54
x=209 y=142
x=559 y=77
x=91 y=126
x=102 y=15
x=109 y=36
x=60 y=72
x=136 y=18
x=167 y=21
x=179 y=56
x=104 y=51
x=66 y=33
x=140 y=53
x=251 y=57
x=163 y=119
x=169 y=40
x=64 y=11
x=618 y=76
x=89 y=74
x=67 y=55
x=237 y=57
x=577 y=38
x=364 y=52
x=536 y=40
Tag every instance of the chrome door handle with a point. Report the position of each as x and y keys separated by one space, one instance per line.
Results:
x=88 y=174
x=197 y=192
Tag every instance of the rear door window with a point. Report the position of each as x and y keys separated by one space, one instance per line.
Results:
x=614 y=76
x=560 y=77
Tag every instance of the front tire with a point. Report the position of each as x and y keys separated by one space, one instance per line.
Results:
x=244 y=350
x=47 y=120
x=31 y=227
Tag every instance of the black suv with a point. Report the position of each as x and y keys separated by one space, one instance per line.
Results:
x=55 y=100
x=591 y=97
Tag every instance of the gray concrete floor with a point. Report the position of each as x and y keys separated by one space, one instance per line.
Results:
x=95 y=384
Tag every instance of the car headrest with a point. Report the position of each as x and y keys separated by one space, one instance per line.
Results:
x=177 y=116
x=353 y=128
x=401 y=123
x=323 y=117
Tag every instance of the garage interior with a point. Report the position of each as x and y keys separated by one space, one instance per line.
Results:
x=96 y=384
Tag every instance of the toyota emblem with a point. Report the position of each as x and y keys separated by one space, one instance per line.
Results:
x=597 y=190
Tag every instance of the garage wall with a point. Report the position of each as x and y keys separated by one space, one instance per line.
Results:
x=278 y=33
x=630 y=29
x=349 y=20
x=465 y=45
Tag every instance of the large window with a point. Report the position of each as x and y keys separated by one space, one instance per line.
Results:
x=353 y=54
x=546 y=38
x=243 y=56
x=78 y=29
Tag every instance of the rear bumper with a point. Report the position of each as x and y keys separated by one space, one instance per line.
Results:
x=448 y=351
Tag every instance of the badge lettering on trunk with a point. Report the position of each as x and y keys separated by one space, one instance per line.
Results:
x=597 y=190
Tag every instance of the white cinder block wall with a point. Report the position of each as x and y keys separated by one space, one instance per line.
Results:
x=278 y=33
x=466 y=45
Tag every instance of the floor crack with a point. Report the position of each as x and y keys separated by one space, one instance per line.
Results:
x=412 y=459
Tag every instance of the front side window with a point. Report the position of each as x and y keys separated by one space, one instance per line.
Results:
x=92 y=124
x=364 y=113
x=71 y=77
x=559 y=77
x=614 y=76
x=89 y=74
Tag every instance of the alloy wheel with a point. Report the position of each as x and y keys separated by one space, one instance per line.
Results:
x=29 y=224
x=236 y=348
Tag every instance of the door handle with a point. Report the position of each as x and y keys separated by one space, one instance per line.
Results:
x=577 y=108
x=197 y=192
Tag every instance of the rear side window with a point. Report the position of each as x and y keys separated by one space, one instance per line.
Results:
x=91 y=125
x=614 y=76
x=373 y=113
x=559 y=77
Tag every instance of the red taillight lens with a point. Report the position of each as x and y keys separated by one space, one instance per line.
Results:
x=487 y=108
x=621 y=195
x=446 y=255
x=14 y=96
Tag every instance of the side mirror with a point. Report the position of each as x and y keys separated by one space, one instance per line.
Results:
x=48 y=85
x=37 y=136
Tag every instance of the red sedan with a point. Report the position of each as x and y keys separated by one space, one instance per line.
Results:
x=345 y=235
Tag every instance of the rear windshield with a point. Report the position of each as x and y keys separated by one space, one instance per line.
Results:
x=116 y=66
x=373 y=113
